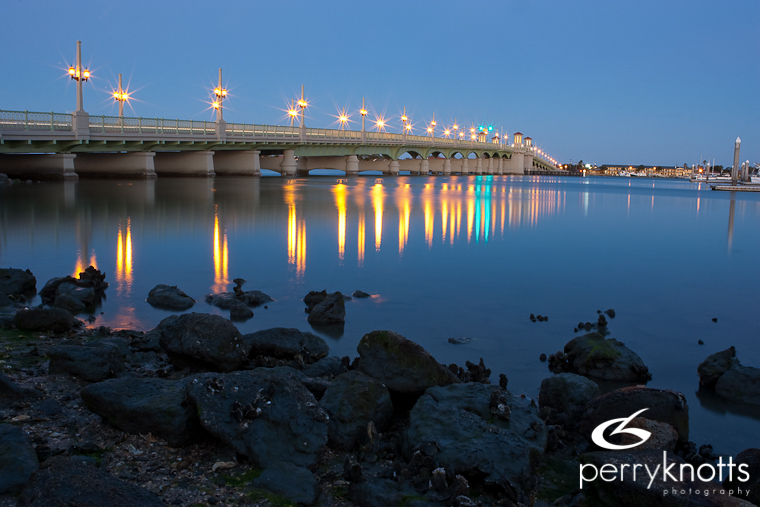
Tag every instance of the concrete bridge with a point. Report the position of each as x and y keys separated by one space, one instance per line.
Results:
x=35 y=145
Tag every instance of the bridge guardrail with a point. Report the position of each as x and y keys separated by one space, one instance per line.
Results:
x=127 y=125
x=28 y=120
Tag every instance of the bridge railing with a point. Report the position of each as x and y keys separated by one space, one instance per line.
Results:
x=332 y=134
x=251 y=130
x=28 y=120
x=117 y=124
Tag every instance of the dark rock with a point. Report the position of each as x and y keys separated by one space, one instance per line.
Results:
x=715 y=319
x=226 y=300
x=662 y=436
x=17 y=281
x=55 y=320
x=711 y=369
x=84 y=294
x=266 y=416
x=610 y=313
x=69 y=303
x=313 y=298
x=601 y=322
x=353 y=400
x=542 y=357
x=295 y=483
x=456 y=425
x=662 y=405
x=285 y=343
x=11 y=393
x=210 y=339
x=238 y=281
x=459 y=341
x=146 y=405
x=473 y=373
x=67 y=482
x=92 y=363
x=503 y=381
x=329 y=366
x=18 y=459
x=331 y=310
x=401 y=364
x=360 y=294
x=239 y=311
x=567 y=395
x=740 y=384
x=382 y=493
x=700 y=342
x=169 y=296
x=594 y=356
x=751 y=458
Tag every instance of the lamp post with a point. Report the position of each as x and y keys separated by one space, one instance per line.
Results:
x=735 y=168
x=404 y=119
x=292 y=112
x=455 y=127
x=80 y=76
x=302 y=104
x=221 y=94
x=432 y=124
x=363 y=112
x=121 y=96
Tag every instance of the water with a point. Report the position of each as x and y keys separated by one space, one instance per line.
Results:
x=443 y=256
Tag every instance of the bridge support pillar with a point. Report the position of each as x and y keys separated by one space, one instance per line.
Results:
x=185 y=163
x=500 y=169
x=465 y=167
x=237 y=163
x=288 y=166
x=58 y=166
x=446 y=167
x=424 y=167
x=393 y=168
x=302 y=166
x=352 y=165
x=479 y=166
x=138 y=165
x=489 y=169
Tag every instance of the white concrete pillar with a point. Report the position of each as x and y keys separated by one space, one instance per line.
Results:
x=501 y=166
x=424 y=166
x=465 y=167
x=302 y=166
x=237 y=163
x=56 y=166
x=288 y=167
x=185 y=163
x=116 y=165
x=393 y=167
x=352 y=165
x=489 y=170
x=446 y=167
x=479 y=166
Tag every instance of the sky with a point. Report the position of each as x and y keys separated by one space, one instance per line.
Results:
x=663 y=82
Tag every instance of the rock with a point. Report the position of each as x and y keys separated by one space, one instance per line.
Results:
x=711 y=369
x=567 y=394
x=295 y=483
x=56 y=320
x=313 y=298
x=146 y=405
x=360 y=294
x=662 y=436
x=715 y=319
x=10 y=393
x=92 y=363
x=331 y=310
x=382 y=493
x=542 y=357
x=239 y=311
x=662 y=405
x=460 y=428
x=401 y=364
x=751 y=458
x=18 y=459
x=473 y=373
x=286 y=343
x=210 y=339
x=459 y=341
x=646 y=490
x=225 y=300
x=65 y=482
x=329 y=366
x=700 y=342
x=238 y=281
x=170 y=297
x=610 y=313
x=740 y=384
x=353 y=400
x=594 y=356
x=69 y=303
x=89 y=278
x=266 y=416
x=84 y=294
x=17 y=281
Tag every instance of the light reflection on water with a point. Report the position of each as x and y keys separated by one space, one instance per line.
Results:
x=452 y=256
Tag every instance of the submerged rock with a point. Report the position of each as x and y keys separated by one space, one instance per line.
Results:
x=169 y=296
x=594 y=356
x=730 y=379
x=313 y=298
x=401 y=364
x=208 y=339
x=146 y=405
x=331 y=310
x=711 y=369
x=84 y=294
x=360 y=294
x=265 y=416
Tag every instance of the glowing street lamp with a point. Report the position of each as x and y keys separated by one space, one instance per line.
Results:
x=80 y=76
x=380 y=123
x=121 y=96
x=363 y=112
x=343 y=119
x=447 y=133
x=292 y=112
x=431 y=129
x=220 y=93
x=302 y=104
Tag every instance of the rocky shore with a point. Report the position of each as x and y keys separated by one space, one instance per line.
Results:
x=195 y=413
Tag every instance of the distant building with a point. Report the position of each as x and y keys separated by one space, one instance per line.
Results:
x=666 y=171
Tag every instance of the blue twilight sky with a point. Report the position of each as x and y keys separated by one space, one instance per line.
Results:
x=646 y=82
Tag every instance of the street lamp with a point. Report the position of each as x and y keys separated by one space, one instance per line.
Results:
x=80 y=76
x=221 y=94
x=363 y=112
x=302 y=104
x=455 y=128
x=292 y=112
x=380 y=123
x=343 y=119
x=121 y=96
x=432 y=124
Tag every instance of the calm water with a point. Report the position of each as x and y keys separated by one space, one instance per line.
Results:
x=444 y=257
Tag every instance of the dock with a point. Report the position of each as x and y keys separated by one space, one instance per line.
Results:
x=737 y=188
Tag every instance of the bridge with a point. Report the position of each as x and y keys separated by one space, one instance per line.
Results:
x=61 y=146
